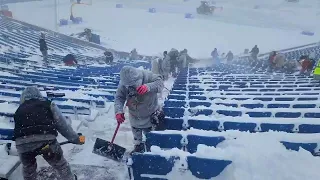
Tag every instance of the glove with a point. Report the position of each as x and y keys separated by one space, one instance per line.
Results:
x=142 y=89
x=80 y=140
x=120 y=117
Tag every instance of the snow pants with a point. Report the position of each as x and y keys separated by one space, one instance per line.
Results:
x=45 y=56
x=54 y=157
x=137 y=134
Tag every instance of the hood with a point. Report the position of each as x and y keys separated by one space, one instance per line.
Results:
x=130 y=76
x=30 y=93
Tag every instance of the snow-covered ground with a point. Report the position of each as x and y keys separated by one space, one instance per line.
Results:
x=274 y=25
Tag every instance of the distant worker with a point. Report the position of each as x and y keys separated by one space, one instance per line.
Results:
x=173 y=56
x=133 y=54
x=164 y=66
x=254 y=53
x=229 y=57
x=70 y=60
x=215 y=55
x=43 y=48
x=109 y=56
x=316 y=72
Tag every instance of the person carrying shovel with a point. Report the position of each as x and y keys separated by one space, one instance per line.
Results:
x=138 y=89
x=37 y=123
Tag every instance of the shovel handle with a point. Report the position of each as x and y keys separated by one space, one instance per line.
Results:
x=65 y=142
x=115 y=133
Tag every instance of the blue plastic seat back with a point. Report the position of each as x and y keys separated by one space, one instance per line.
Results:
x=195 y=140
x=259 y=114
x=172 y=103
x=229 y=113
x=197 y=112
x=241 y=126
x=211 y=125
x=296 y=146
x=288 y=114
x=265 y=127
x=278 y=106
x=199 y=103
x=312 y=115
x=252 y=106
x=149 y=164
x=203 y=168
x=164 y=141
x=174 y=112
x=304 y=106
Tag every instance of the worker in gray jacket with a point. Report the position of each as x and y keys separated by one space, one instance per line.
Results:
x=37 y=123
x=138 y=90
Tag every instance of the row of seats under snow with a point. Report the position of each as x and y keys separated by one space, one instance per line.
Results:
x=220 y=109
x=198 y=152
x=26 y=35
x=186 y=151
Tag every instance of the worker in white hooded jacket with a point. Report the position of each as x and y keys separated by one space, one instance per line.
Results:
x=138 y=90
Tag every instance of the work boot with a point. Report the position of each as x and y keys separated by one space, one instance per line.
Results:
x=139 y=148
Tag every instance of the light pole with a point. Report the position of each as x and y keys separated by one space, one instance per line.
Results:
x=56 y=15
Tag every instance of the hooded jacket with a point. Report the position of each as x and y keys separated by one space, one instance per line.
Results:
x=140 y=107
x=32 y=142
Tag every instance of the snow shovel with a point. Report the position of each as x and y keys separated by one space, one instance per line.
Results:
x=109 y=149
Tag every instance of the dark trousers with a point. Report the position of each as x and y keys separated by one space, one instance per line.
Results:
x=53 y=155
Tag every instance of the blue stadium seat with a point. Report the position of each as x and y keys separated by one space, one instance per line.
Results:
x=265 y=127
x=174 y=112
x=173 y=124
x=312 y=115
x=296 y=146
x=288 y=114
x=164 y=141
x=252 y=106
x=263 y=98
x=278 y=106
x=227 y=104
x=304 y=106
x=241 y=126
x=212 y=125
x=195 y=140
x=151 y=165
x=197 y=112
x=199 y=103
x=206 y=168
x=171 y=103
x=229 y=113
x=284 y=99
x=259 y=114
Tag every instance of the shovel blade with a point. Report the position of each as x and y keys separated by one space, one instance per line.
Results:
x=106 y=149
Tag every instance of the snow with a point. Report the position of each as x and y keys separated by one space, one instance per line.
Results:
x=272 y=26
x=235 y=28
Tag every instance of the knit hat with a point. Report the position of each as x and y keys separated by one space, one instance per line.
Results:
x=30 y=93
x=130 y=76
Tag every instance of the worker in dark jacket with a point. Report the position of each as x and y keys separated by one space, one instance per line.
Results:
x=254 y=53
x=109 y=56
x=37 y=123
x=43 y=48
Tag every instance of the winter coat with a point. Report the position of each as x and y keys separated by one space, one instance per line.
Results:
x=229 y=56
x=32 y=142
x=141 y=107
x=134 y=55
x=155 y=66
x=164 y=67
x=182 y=60
x=43 y=45
x=279 y=60
x=255 y=51
x=214 y=54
